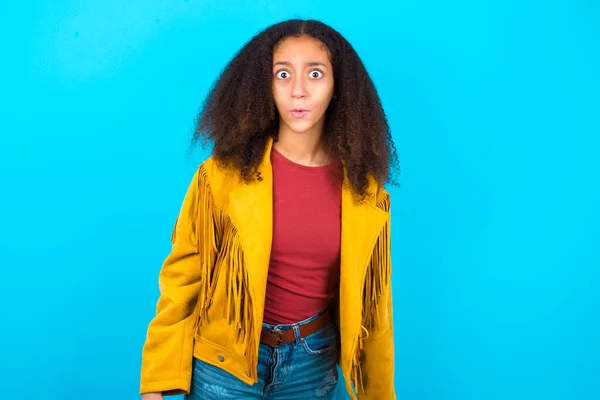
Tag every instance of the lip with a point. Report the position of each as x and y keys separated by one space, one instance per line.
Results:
x=298 y=112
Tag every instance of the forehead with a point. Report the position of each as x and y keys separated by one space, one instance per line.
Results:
x=299 y=49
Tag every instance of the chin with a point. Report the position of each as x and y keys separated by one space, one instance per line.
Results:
x=301 y=127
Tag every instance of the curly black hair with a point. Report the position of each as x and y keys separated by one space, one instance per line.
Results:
x=239 y=114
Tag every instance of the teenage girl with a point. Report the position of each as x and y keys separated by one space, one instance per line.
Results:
x=280 y=263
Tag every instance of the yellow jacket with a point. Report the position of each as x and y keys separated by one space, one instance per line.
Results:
x=213 y=286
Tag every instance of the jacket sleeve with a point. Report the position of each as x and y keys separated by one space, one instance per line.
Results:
x=377 y=360
x=167 y=351
x=377 y=356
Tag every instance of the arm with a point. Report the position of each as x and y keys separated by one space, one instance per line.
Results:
x=167 y=353
x=377 y=355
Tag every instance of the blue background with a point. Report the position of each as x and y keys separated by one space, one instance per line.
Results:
x=494 y=109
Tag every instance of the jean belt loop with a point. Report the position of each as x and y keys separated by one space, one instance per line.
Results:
x=297 y=334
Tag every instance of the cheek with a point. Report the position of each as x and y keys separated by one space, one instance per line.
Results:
x=324 y=95
x=277 y=96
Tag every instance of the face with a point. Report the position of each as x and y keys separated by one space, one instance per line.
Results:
x=302 y=84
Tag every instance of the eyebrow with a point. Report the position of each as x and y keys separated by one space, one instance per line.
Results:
x=310 y=64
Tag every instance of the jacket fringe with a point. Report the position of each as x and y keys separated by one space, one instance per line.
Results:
x=238 y=306
x=214 y=226
x=376 y=280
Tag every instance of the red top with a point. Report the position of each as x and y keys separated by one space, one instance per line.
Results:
x=305 y=256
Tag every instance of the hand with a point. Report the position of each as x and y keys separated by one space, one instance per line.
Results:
x=152 y=396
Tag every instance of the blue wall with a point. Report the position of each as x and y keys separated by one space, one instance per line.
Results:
x=494 y=107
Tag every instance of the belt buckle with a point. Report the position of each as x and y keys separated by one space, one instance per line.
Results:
x=280 y=337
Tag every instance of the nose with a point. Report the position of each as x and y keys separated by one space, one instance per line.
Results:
x=298 y=88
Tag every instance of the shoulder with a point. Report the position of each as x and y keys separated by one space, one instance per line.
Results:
x=377 y=195
x=217 y=179
x=383 y=198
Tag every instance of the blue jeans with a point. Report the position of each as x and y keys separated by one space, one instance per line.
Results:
x=302 y=370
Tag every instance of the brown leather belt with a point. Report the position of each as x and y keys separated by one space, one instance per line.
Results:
x=276 y=338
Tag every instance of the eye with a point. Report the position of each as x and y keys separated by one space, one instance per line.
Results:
x=315 y=74
x=282 y=74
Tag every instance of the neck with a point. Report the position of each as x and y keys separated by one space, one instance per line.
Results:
x=304 y=148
